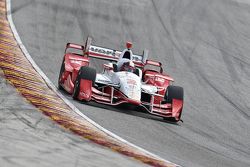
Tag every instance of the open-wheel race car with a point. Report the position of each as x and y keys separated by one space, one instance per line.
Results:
x=126 y=78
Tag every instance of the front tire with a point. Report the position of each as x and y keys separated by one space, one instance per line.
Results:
x=86 y=73
x=174 y=92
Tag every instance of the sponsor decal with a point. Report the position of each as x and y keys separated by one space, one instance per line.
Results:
x=102 y=80
x=110 y=52
x=83 y=94
x=103 y=51
x=75 y=61
x=131 y=81
x=159 y=79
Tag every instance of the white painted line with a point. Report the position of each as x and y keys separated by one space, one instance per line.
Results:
x=53 y=87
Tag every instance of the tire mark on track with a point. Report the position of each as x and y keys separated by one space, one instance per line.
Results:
x=191 y=63
x=206 y=148
x=222 y=94
x=172 y=40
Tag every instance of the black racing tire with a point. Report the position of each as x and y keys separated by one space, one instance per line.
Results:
x=84 y=73
x=174 y=92
x=62 y=69
x=87 y=73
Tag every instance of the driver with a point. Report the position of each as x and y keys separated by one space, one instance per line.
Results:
x=128 y=66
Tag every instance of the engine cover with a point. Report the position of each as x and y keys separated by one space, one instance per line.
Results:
x=130 y=84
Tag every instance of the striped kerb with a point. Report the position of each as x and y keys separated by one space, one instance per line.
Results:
x=18 y=71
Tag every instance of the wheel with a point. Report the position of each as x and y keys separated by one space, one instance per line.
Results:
x=84 y=73
x=174 y=92
x=62 y=69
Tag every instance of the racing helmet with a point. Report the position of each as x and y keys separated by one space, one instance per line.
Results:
x=128 y=66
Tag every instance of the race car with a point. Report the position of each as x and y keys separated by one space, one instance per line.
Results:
x=125 y=78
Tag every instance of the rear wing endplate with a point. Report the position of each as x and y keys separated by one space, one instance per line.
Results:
x=74 y=46
x=154 y=63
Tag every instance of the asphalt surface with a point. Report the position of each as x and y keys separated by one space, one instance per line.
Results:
x=29 y=138
x=203 y=44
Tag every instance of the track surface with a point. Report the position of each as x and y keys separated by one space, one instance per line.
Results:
x=29 y=138
x=204 y=45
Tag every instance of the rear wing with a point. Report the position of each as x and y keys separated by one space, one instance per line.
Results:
x=98 y=52
x=111 y=54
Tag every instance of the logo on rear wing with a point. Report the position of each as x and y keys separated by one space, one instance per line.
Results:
x=104 y=51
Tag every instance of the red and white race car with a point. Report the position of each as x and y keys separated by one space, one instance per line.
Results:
x=126 y=78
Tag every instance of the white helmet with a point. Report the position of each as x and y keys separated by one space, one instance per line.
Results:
x=128 y=66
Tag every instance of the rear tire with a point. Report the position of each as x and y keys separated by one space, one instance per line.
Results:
x=62 y=69
x=86 y=73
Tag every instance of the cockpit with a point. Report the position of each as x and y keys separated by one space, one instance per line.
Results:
x=127 y=55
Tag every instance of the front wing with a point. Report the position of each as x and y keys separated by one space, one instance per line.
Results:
x=110 y=95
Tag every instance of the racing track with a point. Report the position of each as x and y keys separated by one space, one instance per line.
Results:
x=28 y=138
x=204 y=45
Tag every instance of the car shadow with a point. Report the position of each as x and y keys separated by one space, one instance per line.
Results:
x=131 y=110
x=125 y=109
